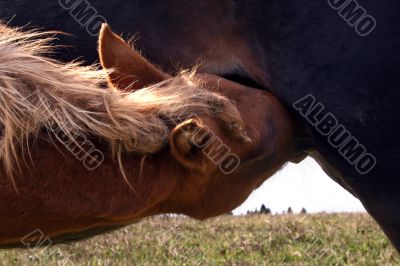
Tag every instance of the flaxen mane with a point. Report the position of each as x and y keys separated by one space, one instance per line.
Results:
x=39 y=93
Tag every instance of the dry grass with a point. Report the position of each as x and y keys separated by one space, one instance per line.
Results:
x=323 y=239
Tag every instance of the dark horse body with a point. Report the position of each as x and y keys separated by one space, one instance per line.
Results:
x=293 y=48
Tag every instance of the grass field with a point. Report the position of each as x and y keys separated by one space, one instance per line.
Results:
x=323 y=239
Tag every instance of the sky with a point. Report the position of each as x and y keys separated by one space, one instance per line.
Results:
x=302 y=185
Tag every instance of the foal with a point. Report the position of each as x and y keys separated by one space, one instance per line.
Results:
x=76 y=158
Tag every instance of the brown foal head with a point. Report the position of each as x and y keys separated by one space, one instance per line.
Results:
x=210 y=164
x=222 y=158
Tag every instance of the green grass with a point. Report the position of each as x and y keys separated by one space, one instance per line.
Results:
x=323 y=239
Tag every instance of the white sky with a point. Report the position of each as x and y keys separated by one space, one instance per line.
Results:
x=298 y=186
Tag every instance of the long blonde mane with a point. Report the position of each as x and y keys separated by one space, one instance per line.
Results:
x=38 y=93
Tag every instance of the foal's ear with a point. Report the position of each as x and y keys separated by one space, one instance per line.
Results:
x=131 y=71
